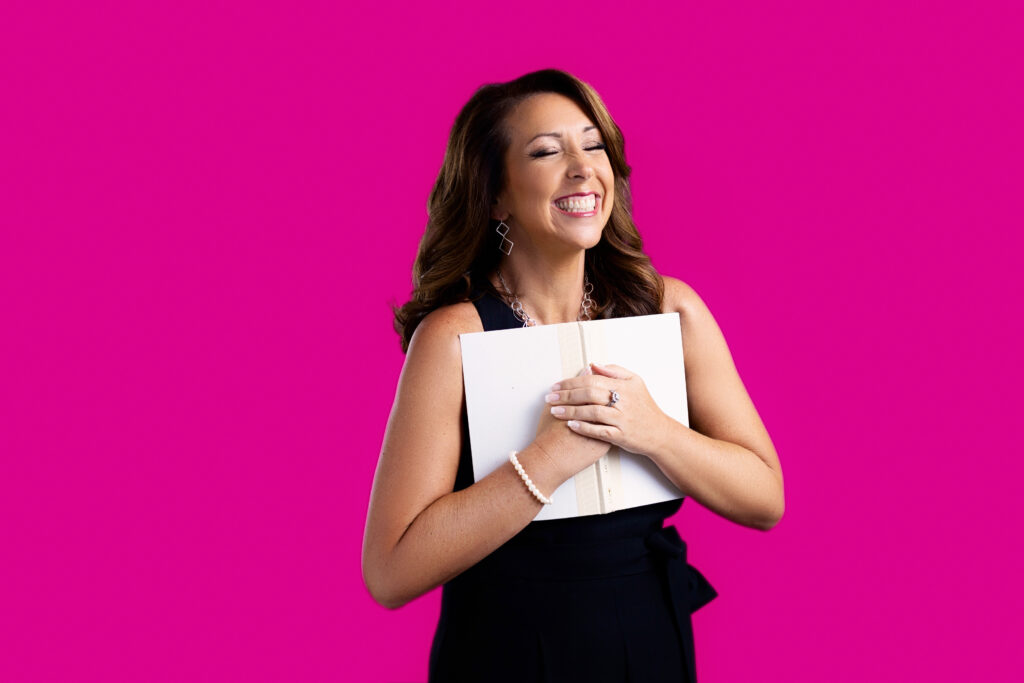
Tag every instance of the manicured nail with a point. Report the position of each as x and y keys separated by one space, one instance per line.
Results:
x=551 y=398
x=573 y=424
x=558 y=410
x=556 y=387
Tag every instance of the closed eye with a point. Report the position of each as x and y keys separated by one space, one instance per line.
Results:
x=548 y=152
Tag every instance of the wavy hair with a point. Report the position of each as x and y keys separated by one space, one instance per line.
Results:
x=459 y=247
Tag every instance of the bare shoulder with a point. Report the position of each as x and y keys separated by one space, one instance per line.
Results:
x=452 y=319
x=683 y=299
x=704 y=344
x=441 y=328
x=434 y=358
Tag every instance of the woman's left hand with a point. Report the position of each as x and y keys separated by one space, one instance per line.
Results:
x=633 y=422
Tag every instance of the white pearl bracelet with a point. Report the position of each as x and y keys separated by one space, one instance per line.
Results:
x=526 y=480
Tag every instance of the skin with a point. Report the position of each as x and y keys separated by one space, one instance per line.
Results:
x=419 y=534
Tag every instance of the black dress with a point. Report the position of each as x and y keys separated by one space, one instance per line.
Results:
x=595 y=598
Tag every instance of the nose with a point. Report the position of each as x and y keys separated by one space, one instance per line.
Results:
x=579 y=167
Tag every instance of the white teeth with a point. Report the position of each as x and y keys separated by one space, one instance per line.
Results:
x=578 y=204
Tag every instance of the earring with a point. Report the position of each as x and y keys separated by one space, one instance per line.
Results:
x=506 y=243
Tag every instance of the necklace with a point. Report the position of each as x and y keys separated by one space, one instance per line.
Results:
x=517 y=305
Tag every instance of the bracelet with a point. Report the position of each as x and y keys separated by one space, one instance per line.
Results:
x=526 y=480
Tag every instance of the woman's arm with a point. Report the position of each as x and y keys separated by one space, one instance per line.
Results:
x=419 y=534
x=725 y=459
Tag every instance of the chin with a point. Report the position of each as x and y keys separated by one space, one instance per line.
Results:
x=582 y=236
x=591 y=241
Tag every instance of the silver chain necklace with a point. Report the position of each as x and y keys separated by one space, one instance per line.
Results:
x=517 y=305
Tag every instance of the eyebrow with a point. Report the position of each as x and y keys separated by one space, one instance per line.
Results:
x=556 y=135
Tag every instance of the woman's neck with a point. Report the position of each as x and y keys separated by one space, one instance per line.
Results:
x=549 y=288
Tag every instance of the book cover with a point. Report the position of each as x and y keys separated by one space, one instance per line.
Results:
x=507 y=373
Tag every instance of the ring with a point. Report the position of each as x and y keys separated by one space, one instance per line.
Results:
x=614 y=399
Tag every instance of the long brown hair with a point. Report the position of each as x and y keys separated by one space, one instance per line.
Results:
x=459 y=248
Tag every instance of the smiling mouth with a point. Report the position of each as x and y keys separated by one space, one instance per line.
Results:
x=578 y=205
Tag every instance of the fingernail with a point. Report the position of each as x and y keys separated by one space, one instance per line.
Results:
x=551 y=398
x=558 y=410
x=573 y=423
x=556 y=387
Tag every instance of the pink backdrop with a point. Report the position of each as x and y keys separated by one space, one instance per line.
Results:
x=206 y=210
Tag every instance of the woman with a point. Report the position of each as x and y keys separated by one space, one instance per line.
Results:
x=530 y=224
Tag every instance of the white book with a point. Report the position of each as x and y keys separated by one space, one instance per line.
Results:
x=507 y=373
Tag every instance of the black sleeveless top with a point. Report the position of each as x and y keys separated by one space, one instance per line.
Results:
x=596 y=598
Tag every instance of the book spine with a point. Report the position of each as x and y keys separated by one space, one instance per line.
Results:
x=606 y=470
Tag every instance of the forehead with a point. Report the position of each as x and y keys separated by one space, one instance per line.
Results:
x=546 y=113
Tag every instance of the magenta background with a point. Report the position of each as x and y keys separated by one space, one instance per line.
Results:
x=205 y=211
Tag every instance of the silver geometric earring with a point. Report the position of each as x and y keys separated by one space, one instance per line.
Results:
x=506 y=243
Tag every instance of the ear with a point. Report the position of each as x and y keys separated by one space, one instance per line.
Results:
x=498 y=211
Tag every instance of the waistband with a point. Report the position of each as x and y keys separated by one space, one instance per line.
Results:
x=659 y=549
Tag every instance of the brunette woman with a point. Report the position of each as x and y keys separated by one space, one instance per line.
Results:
x=530 y=223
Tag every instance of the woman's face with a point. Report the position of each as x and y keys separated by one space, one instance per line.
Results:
x=559 y=185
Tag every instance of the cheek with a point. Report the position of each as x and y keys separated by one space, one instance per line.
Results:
x=526 y=193
x=533 y=193
x=610 y=196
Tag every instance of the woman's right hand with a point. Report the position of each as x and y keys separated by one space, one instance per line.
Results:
x=568 y=451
